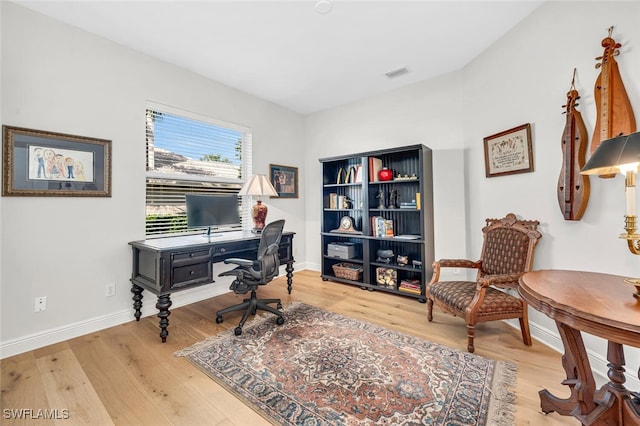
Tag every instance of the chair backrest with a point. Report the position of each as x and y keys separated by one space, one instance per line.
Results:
x=268 y=257
x=508 y=245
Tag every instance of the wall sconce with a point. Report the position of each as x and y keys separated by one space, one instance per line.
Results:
x=258 y=185
x=621 y=155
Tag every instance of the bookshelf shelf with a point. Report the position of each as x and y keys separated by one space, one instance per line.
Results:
x=404 y=205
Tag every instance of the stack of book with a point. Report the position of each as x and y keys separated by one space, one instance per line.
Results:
x=410 y=286
x=408 y=204
x=381 y=227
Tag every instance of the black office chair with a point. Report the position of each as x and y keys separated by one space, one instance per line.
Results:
x=253 y=273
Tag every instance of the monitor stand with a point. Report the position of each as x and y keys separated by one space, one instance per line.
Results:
x=209 y=234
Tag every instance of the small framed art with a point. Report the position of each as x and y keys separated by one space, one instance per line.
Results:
x=509 y=152
x=285 y=180
x=38 y=163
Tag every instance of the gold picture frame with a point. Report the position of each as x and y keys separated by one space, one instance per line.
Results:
x=509 y=152
x=285 y=180
x=38 y=163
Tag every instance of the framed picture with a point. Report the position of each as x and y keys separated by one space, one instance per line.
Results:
x=284 y=180
x=37 y=163
x=509 y=152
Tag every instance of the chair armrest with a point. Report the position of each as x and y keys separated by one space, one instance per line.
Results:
x=239 y=262
x=458 y=263
x=508 y=280
x=452 y=263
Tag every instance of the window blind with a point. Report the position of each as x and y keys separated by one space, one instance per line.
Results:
x=187 y=153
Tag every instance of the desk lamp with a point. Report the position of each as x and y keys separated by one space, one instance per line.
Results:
x=621 y=155
x=258 y=185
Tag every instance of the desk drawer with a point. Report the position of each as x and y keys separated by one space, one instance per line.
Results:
x=231 y=249
x=185 y=258
x=191 y=274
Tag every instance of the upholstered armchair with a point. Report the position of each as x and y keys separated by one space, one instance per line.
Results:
x=507 y=253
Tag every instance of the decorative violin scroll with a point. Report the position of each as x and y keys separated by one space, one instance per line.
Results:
x=573 y=188
x=614 y=113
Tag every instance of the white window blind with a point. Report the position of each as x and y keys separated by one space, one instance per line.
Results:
x=189 y=153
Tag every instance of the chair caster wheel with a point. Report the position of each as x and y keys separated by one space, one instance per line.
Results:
x=237 y=331
x=219 y=319
x=280 y=321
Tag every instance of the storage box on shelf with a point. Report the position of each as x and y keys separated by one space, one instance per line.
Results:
x=379 y=200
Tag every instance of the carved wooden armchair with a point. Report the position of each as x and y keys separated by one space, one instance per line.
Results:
x=507 y=253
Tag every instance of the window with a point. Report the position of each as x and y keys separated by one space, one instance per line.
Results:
x=189 y=153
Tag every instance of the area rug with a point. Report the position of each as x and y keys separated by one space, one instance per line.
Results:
x=321 y=368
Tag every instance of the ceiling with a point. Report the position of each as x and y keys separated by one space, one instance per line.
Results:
x=289 y=53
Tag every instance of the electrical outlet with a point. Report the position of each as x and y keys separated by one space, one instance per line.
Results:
x=456 y=271
x=110 y=289
x=41 y=304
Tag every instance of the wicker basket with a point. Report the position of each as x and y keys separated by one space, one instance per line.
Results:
x=348 y=271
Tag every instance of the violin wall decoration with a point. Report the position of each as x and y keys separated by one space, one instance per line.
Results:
x=573 y=188
x=614 y=113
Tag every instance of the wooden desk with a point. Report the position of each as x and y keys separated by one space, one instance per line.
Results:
x=601 y=305
x=166 y=265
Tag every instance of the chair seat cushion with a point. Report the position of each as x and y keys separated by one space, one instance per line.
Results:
x=459 y=294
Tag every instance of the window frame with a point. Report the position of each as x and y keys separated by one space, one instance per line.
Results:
x=155 y=179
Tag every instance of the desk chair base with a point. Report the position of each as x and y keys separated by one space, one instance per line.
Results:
x=251 y=306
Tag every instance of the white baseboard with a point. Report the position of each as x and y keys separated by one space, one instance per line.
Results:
x=70 y=331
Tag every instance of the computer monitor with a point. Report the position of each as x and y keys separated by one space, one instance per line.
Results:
x=213 y=211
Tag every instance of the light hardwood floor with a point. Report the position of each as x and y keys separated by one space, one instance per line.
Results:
x=124 y=375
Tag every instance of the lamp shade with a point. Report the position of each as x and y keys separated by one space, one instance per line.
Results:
x=614 y=155
x=258 y=185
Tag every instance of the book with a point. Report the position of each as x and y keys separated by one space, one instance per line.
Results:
x=358 y=173
x=407 y=237
x=333 y=200
x=339 y=175
x=375 y=165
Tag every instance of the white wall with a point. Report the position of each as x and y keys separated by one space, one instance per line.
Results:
x=425 y=113
x=523 y=78
x=61 y=79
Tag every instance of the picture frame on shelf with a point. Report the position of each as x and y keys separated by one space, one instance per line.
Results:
x=40 y=163
x=509 y=152
x=285 y=180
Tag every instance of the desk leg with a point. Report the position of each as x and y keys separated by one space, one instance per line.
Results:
x=163 y=305
x=289 y=270
x=137 y=300
x=579 y=378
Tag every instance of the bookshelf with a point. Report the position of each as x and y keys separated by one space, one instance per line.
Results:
x=389 y=221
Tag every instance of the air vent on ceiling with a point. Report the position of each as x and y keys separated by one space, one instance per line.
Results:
x=396 y=73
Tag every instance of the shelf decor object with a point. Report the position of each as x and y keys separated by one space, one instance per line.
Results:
x=258 y=185
x=621 y=155
x=384 y=226
x=509 y=152
x=38 y=163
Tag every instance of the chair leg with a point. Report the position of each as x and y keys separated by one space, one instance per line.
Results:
x=524 y=328
x=430 y=310
x=471 y=332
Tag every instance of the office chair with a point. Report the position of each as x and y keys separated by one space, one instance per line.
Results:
x=250 y=274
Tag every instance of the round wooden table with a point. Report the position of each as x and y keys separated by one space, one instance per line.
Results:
x=599 y=304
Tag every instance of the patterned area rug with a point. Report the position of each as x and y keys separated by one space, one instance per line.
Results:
x=321 y=368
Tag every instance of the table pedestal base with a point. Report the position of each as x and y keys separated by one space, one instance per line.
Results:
x=612 y=404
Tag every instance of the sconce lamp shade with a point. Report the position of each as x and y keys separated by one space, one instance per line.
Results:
x=258 y=185
x=615 y=155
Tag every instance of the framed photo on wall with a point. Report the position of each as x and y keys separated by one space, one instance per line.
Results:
x=509 y=152
x=285 y=180
x=38 y=163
